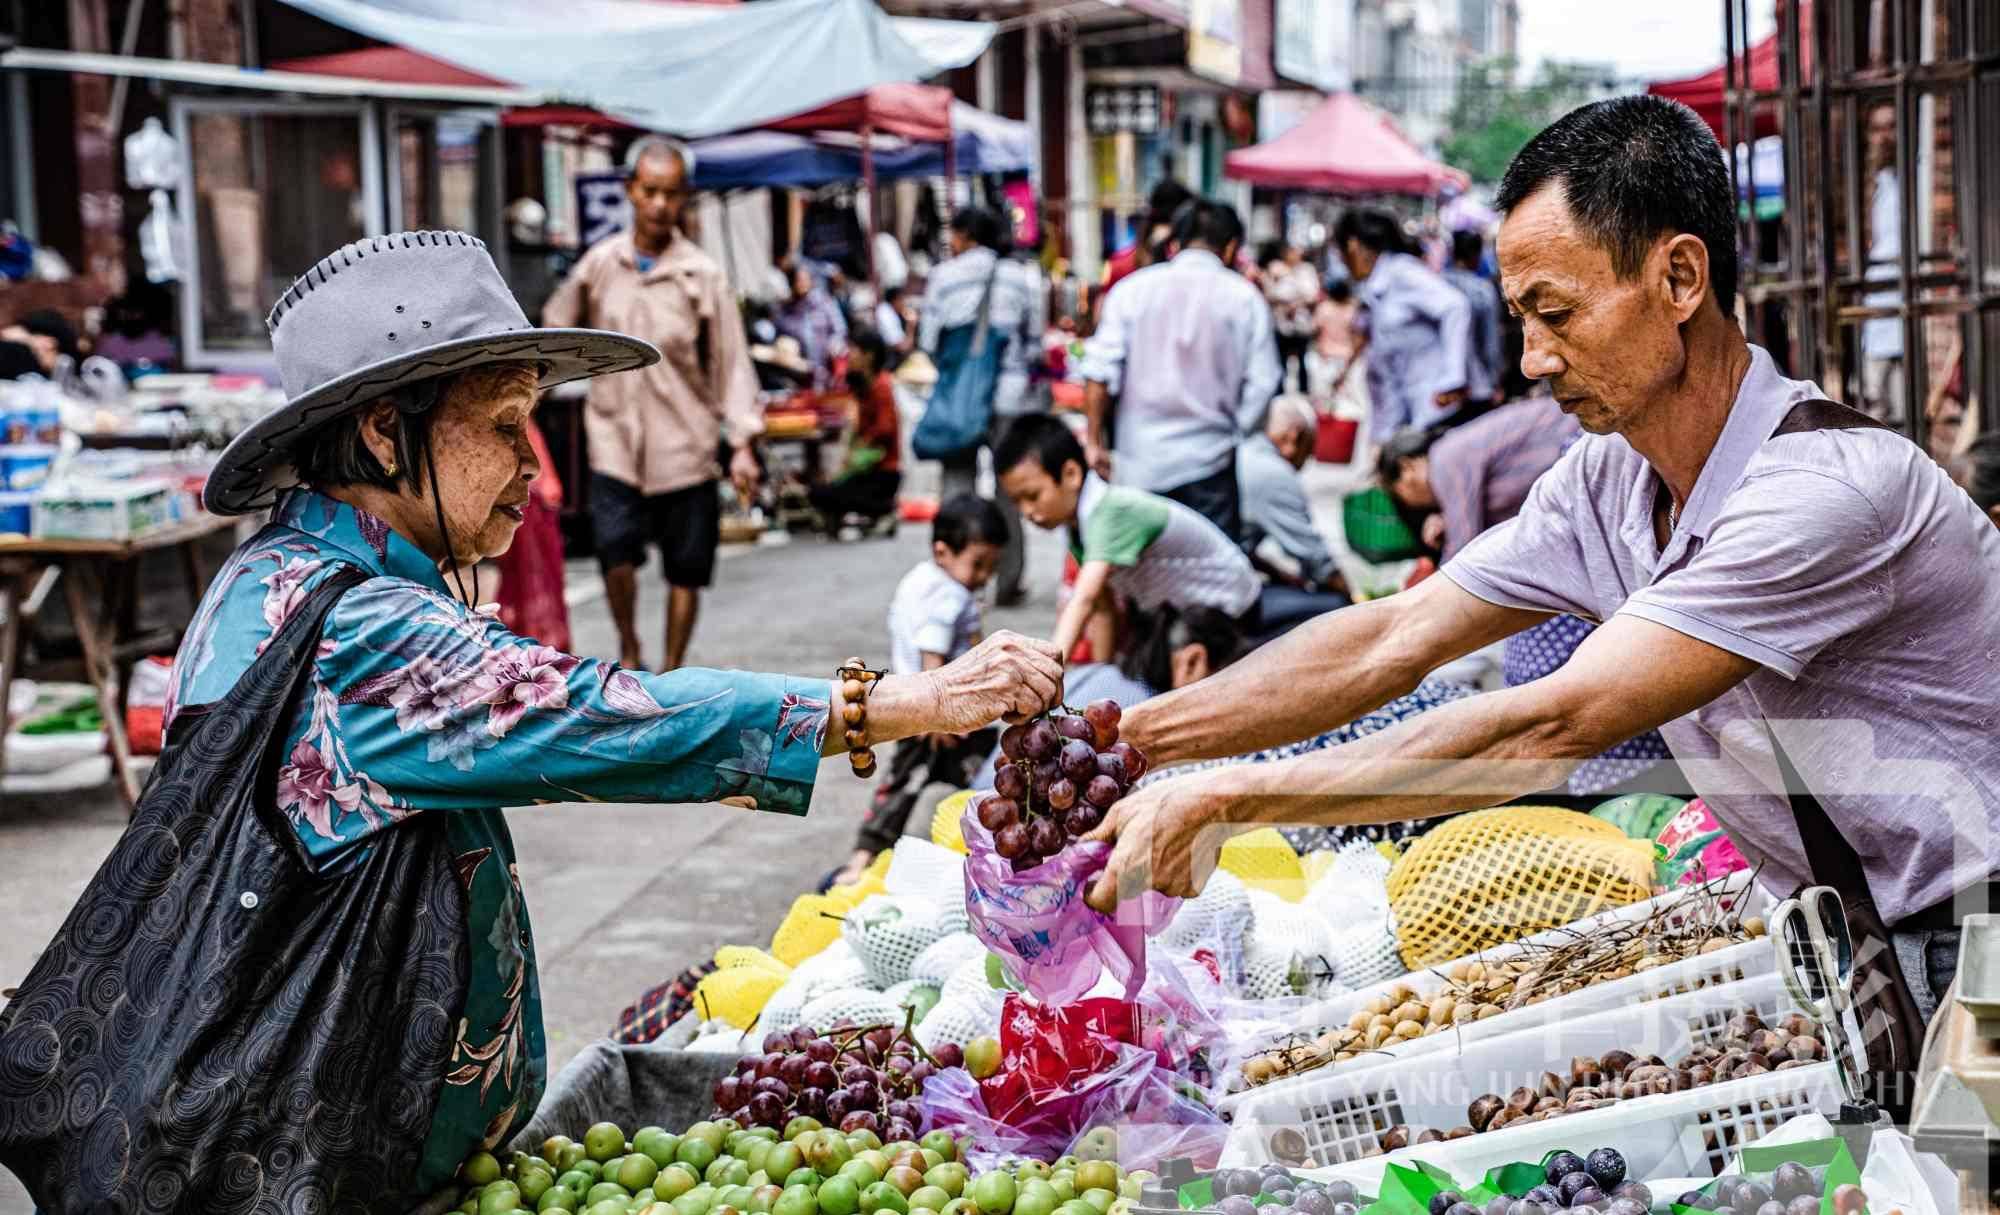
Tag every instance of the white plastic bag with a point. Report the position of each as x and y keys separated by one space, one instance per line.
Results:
x=1898 y=1176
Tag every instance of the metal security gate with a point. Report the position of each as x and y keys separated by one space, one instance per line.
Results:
x=1879 y=273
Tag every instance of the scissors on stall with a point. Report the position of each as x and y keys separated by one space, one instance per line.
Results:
x=1816 y=961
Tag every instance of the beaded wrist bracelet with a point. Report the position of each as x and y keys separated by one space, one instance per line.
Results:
x=856 y=681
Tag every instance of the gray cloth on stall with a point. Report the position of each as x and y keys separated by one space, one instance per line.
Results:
x=1930 y=962
x=633 y=1086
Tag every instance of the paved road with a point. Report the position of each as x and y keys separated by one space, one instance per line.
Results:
x=623 y=896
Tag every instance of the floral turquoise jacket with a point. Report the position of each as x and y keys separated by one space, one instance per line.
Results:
x=418 y=705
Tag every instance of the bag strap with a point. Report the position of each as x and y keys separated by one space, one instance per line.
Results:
x=1822 y=414
x=295 y=646
x=985 y=322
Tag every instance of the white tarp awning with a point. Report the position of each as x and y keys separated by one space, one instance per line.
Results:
x=692 y=69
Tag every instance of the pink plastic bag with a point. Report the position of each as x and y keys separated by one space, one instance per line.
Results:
x=1037 y=920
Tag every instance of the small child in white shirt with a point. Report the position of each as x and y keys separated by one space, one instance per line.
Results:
x=934 y=618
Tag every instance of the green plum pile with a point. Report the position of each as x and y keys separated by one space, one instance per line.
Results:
x=1058 y=776
x=1791 y=1189
x=859 y=1078
x=719 y=1167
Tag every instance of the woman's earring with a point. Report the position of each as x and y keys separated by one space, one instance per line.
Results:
x=391 y=470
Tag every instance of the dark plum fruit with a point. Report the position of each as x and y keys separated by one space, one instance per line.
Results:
x=1561 y=1165
x=1444 y=1200
x=1637 y=1191
x=1237 y=1204
x=1574 y=1184
x=1545 y=1195
x=1588 y=1196
x=1606 y=1167
x=1342 y=1191
x=1793 y=1180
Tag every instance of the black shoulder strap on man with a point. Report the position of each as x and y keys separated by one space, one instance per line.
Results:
x=1891 y=1028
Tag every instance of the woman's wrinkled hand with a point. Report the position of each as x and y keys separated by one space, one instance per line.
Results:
x=1005 y=676
x=1165 y=837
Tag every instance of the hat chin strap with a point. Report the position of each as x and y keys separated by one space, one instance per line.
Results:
x=444 y=533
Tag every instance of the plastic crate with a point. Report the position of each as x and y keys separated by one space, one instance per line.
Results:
x=1703 y=971
x=1375 y=532
x=1340 y=1119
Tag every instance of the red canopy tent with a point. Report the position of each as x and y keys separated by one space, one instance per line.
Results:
x=1346 y=146
x=1757 y=68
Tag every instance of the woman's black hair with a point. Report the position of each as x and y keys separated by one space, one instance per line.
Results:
x=1270 y=251
x=1982 y=478
x=1158 y=636
x=1377 y=230
x=1406 y=444
x=336 y=454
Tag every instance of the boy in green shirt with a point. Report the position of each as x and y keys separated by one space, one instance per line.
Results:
x=1148 y=549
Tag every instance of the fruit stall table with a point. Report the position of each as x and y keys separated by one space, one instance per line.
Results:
x=99 y=584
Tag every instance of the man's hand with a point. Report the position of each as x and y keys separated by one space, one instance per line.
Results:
x=745 y=473
x=1450 y=400
x=1098 y=457
x=1165 y=837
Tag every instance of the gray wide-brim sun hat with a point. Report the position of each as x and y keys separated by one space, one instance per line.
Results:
x=383 y=313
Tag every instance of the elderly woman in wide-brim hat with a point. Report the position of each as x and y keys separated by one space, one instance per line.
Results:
x=403 y=452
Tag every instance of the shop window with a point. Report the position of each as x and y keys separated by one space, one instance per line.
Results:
x=444 y=172
x=269 y=189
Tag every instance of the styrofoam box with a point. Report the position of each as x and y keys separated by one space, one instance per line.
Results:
x=1697 y=973
x=1342 y=1116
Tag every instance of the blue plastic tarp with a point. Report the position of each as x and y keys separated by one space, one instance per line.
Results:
x=984 y=143
x=691 y=69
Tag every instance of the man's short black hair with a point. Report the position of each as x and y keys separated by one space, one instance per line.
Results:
x=1040 y=437
x=980 y=225
x=1630 y=169
x=1467 y=248
x=1208 y=223
x=1167 y=197
x=1377 y=230
x=968 y=519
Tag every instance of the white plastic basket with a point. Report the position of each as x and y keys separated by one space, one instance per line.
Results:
x=1340 y=1117
x=1690 y=1134
x=1703 y=971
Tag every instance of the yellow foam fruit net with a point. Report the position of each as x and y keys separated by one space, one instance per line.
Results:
x=945 y=831
x=811 y=925
x=1494 y=876
x=1264 y=860
x=744 y=981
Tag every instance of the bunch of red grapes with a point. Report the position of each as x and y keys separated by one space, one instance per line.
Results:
x=1058 y=776
x=859 y=1078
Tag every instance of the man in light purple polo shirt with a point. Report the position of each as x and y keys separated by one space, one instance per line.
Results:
x=1756 y=570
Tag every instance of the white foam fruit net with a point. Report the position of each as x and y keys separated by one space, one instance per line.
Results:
x=889 y=932
x=856 y=1004
x=961 y=1017
x=968 y=980
x=719 y=1038
x=1215 y=920
x=943 y=958
x=1352 y=896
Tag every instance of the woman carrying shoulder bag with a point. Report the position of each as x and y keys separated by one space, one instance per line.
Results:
x=981 y=324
